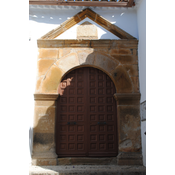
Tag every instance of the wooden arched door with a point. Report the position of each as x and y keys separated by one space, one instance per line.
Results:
x=86 y=122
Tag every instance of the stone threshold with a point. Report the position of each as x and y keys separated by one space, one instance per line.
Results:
x=87 y=161
x=87 y=170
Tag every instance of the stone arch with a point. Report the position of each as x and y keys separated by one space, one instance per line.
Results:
x=84 y=58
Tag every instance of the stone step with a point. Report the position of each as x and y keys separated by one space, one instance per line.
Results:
x=87 y=170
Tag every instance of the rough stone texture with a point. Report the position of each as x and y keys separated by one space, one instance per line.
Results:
x=143 y=110
x=119 y=60
x=51 y=80
x=43 y=131
x=86 y=57
x=87 y=170
x=129 y=159
x=122 y=80
x=67 y=62
x=87 y=31
x=44 y=65
x=105 y=62
x=48 y=53
x=87 y=161
x=129 y=121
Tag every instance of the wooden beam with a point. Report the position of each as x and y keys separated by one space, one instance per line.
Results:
x=81 y=3
x=130 y=3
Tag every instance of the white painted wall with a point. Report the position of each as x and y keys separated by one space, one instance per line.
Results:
x=43 y=20
x=72 y=32
x=33 y=52
x=141 y=21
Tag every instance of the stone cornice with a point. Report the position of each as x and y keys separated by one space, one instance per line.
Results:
x=55 y=43
x=45 y=97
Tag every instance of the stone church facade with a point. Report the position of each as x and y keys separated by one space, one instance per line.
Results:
x=118 y=61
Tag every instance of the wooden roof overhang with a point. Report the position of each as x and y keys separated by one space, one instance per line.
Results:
x=98 y=3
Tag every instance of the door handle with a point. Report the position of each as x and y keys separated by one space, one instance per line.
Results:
x=102 y=123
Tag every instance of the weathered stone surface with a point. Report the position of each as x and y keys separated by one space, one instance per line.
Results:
x=132 y=70
x=121 y=51
x=127 y=98
x=63 y=52
x=106 y=44
x=135 y=81
x=52 y=80
x=48 y=53
x=129 y=159
x=118 y=58
x=43 y=138
x=129 y=126
x=67 y=62
x=122 y=80
x=38 y=83
x=86 y=57
x=90 y=161
x=45 y=103
x=44 y=121
x=88 y=170
x=44 y=65
x=126 y=59
x=64 y=161
x=87 y=31
x=105 y=62
x=43 y=162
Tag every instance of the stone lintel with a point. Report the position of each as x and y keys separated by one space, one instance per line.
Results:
x=126 y=158
x=56 y=43
x=45 y=97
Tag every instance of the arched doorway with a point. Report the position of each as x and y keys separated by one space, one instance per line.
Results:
x=86 y=122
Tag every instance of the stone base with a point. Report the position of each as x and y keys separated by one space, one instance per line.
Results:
x=129 y=159
x=87 y=161
x=44 y=162
x=87 y=170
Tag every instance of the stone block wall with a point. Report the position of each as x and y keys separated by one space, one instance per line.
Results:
x=119 y=60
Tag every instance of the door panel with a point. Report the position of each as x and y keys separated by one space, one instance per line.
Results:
x=86 y=124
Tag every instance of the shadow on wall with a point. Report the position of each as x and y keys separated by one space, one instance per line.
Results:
x=30 y=140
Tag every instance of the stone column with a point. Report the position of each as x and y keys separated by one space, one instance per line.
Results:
x=44 y=130
x=129 y=129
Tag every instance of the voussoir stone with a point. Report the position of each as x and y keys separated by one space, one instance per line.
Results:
x=105 y=62
x=44 y=65
x=52 y=80
x=122 y=80
x=86 y=57
x=68 y=62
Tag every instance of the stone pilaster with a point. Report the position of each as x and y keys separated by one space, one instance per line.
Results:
x=129 y=131
x=44 y=130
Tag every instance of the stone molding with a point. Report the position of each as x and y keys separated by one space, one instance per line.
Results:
x=94 y=17
x=49 y=43
x=45 y=97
